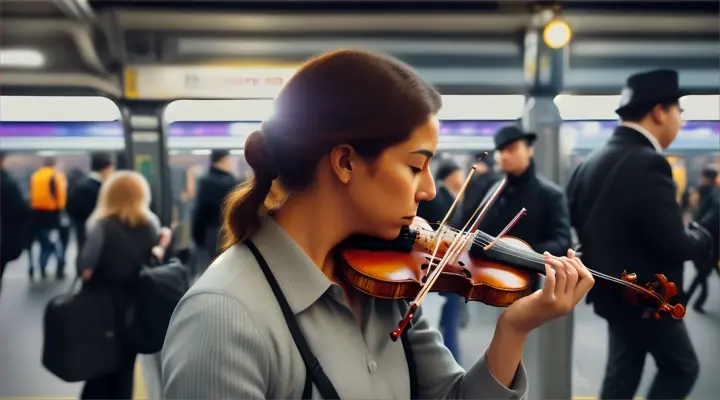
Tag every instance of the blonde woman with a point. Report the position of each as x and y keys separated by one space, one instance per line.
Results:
x=122 y=235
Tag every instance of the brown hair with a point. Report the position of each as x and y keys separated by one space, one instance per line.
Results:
x=368 y=101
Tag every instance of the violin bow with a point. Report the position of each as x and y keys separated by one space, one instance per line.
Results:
x=459 y=242
x=440 y=228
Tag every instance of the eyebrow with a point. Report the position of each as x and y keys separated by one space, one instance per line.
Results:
x=426 y=153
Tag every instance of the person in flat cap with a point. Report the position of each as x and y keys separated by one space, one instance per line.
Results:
x=546 y=226
x=623 y=207
x=212 y=188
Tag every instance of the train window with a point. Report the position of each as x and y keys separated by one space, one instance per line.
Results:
x=701 y=108
x=218 y=110
x=58 y=109
x=602 y=108
x=482 y=107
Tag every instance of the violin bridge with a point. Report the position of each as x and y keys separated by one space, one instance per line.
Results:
x=506 y=229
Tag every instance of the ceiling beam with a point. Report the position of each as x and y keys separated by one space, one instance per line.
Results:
x=78 y=31
x=488 y=22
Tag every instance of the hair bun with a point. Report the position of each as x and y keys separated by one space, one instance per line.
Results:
x=258 y=156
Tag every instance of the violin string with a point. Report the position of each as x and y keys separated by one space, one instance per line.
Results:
x=433 y=274
x=485 y=239
x=534 y=257
x=464 y=233
x=455 y=247
x=482 y=208
x=480 y=211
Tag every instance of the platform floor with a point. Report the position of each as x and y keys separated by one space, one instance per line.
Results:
x=22 y=375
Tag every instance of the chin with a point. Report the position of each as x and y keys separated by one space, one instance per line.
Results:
x=392 y=232
x=388 y=232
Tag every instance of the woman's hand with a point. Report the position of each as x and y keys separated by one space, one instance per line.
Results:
x=165 y=237
x=86 y=275
x=567 y=280
x=159 y=252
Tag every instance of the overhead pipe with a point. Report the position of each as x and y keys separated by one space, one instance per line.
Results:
x=77 y=9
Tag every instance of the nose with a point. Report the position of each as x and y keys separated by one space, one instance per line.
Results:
x=426 y=189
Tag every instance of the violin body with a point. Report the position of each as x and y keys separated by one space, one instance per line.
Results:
x=401 y=275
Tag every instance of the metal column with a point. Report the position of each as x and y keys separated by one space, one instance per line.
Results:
x=146 y=151
x=551 y=371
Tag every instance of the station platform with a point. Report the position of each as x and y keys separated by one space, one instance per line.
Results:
x=22 y=375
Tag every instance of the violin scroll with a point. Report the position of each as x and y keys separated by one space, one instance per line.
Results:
x=660 y=292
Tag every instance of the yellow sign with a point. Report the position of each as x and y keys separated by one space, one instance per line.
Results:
x=172 y=82
x=679 y=172
x=130 y=83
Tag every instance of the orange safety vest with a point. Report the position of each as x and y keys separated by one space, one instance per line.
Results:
x=42 y=197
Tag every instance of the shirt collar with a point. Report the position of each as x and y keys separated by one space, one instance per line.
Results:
x=300 y=280
x=95 y=176
x=645 y=133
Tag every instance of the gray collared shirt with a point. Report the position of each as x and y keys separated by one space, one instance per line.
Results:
x=228 y=339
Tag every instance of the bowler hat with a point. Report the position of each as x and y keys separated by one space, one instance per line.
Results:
x=648 y=88
x=509 y=134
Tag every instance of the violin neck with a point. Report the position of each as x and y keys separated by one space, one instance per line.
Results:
x=531 y=261
x=517 y=257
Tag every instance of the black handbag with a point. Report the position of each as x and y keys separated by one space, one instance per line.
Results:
x=157 y=291
x=79 y=337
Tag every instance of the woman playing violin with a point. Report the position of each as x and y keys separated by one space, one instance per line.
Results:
x=346 y=152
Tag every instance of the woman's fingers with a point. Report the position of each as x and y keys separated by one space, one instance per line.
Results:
x=572 y=276
x=560 y=275
x=585 y=278
x=549 y=287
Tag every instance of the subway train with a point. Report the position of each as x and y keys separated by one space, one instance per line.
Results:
x=73 y=127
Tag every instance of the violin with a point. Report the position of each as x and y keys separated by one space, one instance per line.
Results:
x=423 y=260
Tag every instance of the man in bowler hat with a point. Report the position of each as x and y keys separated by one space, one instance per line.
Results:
x=623 y=207
x=546 y=226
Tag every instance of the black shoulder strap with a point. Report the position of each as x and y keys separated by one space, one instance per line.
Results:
x=312 y=365
x=603 y=191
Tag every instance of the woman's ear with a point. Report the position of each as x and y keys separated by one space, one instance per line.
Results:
x=342 y=158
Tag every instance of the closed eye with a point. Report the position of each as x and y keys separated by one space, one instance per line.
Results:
x=416 y=170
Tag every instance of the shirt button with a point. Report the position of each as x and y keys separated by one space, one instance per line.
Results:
x=372 y=366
